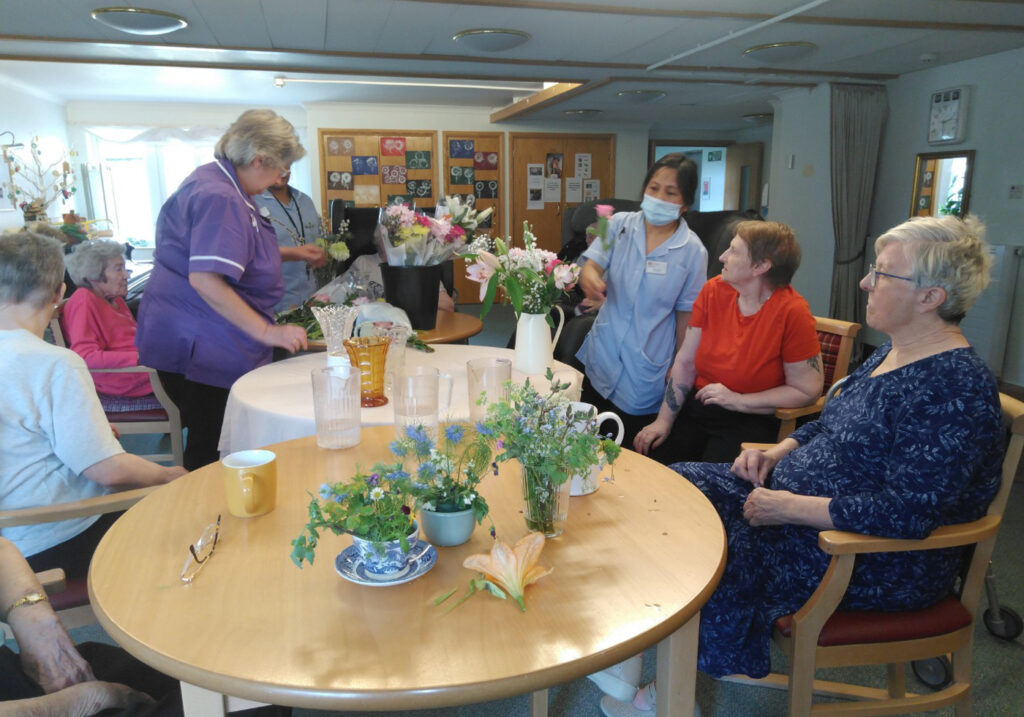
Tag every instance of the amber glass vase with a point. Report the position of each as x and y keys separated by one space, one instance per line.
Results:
x=369 y=354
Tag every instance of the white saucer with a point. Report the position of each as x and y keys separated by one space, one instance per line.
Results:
x=350 y=567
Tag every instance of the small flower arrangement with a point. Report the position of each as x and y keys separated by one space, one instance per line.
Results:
x=36 y=184
x=533 y=279
x=336 y=246
x=550 y=440
x=446 y=479
x=414 y=239
x=375 y=506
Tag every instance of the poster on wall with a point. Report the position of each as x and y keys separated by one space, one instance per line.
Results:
x=534 y=198
x=460 y=148
x=553 y=189
x=417 y=159
x=591 y=190
x=705 y=188
x=574 y=189
x=584 y=162
x=553 y=165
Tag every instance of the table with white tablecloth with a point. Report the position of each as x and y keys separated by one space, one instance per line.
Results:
x=275 y=402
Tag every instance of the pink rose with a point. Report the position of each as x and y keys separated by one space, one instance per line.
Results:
x=604 y=210
x=551 y=265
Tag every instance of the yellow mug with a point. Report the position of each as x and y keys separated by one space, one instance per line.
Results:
x=250 y=482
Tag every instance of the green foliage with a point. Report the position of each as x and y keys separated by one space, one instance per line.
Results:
x=375 y=507
x=446 y=479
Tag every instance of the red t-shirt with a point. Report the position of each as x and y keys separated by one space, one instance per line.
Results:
x=746 y=353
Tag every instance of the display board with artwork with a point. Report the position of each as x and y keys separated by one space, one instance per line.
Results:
x=371 y=168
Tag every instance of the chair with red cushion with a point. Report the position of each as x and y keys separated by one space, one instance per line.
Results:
x=836 y=339
x=818 y=636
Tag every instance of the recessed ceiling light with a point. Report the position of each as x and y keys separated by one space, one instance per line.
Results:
x=758 y=117
x=491 y=39
x=776 y=52
x=582 y=113
x=640 y=96
x=139 y=21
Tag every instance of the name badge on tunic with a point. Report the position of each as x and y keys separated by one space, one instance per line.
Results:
x=656 y=267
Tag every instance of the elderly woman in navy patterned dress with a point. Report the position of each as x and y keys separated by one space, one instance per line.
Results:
x=911 y=443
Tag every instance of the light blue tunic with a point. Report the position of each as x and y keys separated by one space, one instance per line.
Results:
x=632 y=343
x=299 y=217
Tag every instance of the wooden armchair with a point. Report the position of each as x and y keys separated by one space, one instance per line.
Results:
x=818 y=635
x=164 y=420
x=69 y=597
x=836 y=338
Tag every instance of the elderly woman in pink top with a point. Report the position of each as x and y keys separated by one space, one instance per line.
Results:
x=100 y=328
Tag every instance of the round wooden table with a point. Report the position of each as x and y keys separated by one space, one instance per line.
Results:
x=637 y=561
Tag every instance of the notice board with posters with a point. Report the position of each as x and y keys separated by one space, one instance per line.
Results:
x=372 y=168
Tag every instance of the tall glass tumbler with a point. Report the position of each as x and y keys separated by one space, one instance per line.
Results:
x=486 y=379
x=421 y=396
x=369 y=355
x=336 y=406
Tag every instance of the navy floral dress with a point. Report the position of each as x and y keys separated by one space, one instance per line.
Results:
x=899 y=454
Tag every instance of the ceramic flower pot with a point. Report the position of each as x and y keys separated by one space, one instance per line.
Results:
x=387 y=557
x=534 y=342
x=447 y=529
x=545 y=503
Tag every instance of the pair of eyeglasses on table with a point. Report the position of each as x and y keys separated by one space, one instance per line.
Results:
x=200 y=552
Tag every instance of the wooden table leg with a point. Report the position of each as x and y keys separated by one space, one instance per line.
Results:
x=539 y=703
x=677 y=671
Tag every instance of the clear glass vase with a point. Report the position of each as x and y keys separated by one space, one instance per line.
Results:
x=545 y=504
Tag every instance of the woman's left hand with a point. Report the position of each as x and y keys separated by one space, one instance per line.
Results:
x=765 y=506
x=716 y=394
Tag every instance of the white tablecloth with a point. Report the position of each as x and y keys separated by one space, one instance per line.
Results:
x=275 y=402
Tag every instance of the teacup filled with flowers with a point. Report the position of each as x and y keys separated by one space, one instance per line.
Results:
x=446 y=479
x=375 y=508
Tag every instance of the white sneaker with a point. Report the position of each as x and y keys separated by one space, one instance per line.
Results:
x=620 y=681
x=611 y=707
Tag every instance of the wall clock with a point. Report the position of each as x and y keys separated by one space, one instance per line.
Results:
x=947 y=116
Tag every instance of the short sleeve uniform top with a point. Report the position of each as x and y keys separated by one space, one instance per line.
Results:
x=631 y=345
x=747 y=353
x=208 y=225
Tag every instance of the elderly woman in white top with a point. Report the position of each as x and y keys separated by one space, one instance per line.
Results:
x=57 y=443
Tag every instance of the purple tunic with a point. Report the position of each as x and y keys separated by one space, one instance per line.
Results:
x=208 y=224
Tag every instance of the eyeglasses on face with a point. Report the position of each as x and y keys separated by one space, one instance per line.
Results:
x=200 y=552
x=874 y=273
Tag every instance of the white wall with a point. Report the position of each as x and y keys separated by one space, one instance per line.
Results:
x=28 y=114
x=630 y=143
x=801 y=196
x=995 y=131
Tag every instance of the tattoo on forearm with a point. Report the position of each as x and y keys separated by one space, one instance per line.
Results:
x=670 y=396
x=815 y=363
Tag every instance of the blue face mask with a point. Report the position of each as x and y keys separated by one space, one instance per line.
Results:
x=659 y=212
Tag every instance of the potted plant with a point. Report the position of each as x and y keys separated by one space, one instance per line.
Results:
x=374 y=508
x=446 y=479
x=533 y=280
x=552 y=442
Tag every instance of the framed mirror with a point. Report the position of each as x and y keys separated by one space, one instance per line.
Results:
x=942 y=183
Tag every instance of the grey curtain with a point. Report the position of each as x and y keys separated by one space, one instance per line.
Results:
x=858 y=114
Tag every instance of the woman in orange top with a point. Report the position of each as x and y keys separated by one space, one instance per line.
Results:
x=750 y=347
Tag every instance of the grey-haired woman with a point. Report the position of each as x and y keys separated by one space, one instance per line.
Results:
x=100 y=328
x=207 y=316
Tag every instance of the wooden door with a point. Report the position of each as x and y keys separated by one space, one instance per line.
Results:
x=743 y=176
x=554 y=156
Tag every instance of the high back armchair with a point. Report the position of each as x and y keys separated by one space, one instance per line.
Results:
x=836 y=339
x=163 y=420
x=818 y=635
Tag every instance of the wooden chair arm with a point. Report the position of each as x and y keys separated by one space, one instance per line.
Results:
x=757 y=446
x=790 y=414
x=839 y=542
x=124 y=369
x=75 y=509
x=53 y=580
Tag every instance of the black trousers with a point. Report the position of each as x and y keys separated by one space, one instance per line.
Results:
x=714 y=434
x=202 y=413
